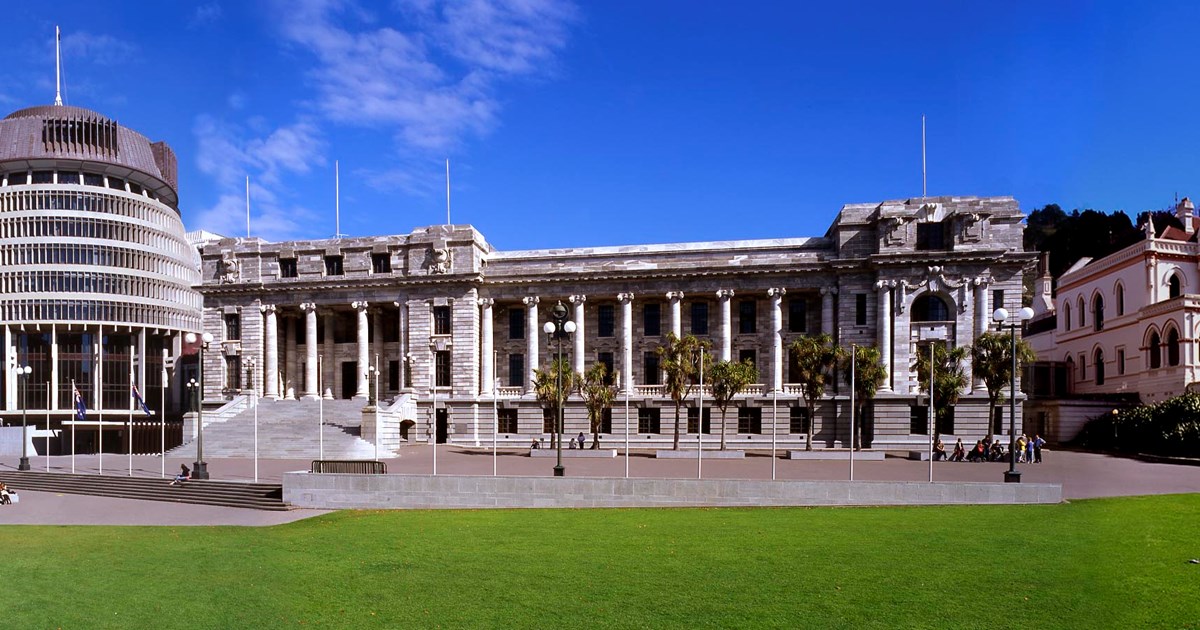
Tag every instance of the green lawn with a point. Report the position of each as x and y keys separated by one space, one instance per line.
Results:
x=1112 y=563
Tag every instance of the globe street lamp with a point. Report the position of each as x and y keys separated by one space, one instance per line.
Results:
x=23 y=372
x=560 y=328
x=1012 y=475
x=199 y=467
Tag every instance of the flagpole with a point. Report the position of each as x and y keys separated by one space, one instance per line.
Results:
x=99 y=391
x=321 y=413
x=132 y=402
x=75 y=397
x=162 y=419
x=700 y=421
x=49 y=433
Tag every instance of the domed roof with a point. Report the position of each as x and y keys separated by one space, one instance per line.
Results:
x=55 y=111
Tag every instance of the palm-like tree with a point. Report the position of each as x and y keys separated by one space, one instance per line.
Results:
x=553 y=385
x=814 y=359
x=598 y=394
x=948 y=378
x=991 y=360
x=869 y=375
x=679 y=359
x=728 y=380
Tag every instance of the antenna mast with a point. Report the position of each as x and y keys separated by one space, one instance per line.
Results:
x=337 y=201
x=57 y=66
x=447 y=191
x=247 y=206
x=923 y=192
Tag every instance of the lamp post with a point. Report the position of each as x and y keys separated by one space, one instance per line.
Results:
x=558 y=329
x=436 y=345
x=1012 y=475
x=199 y=467
x=250 y=363
x=23 y=372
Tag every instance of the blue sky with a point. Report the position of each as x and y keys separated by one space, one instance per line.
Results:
x=605 y=123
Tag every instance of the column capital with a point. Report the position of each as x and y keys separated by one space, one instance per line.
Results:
x=267 y=309
x=674 y=296
x=885 y=285
x=625 y=298
x=981 y=281
x=485 y=302
x=829 y=290
x=577 y=299
x=777 y=293
x=724 y=294
x=359 y=306
x=531 y=300
x=308 y=307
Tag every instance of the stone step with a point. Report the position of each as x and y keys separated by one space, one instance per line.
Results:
x=259 y=496
x=288 y=429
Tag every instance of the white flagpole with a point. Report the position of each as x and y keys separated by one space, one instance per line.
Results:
x=75 y=406
x=774 y=424
x=853 y=368
x=254 y=391
x=700 y=421
x=99 y=395
x=162 y=419
x=447 y=191
x=48 y=431
x=132 y=403
x=337 y=201
x=923 y=191
x=57 y=66
x=321 y=413
x=495 y=418
x=247 y=206
x=626 y=430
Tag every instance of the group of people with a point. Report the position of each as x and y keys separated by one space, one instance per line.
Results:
x=989 y=450
x=7 y=496
x=579 y=441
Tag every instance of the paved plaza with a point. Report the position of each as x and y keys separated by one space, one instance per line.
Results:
x=1082 y=475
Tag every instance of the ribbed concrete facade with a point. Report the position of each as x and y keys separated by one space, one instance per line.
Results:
x=97 y=279
x=450 y=320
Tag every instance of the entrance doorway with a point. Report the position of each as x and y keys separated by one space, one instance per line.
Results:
x=349 y=379
x=443 y=425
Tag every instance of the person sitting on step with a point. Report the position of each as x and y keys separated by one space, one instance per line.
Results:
x=183 y=475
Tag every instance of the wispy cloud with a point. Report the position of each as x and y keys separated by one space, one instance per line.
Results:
x=104 y=50
x=205 y=14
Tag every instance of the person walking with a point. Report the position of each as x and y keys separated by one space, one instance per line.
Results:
x=1021 y=449
x=1038 y=443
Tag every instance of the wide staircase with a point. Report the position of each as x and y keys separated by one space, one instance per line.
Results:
x=258 y=496
x=287 y=429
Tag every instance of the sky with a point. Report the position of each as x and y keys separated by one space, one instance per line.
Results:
x=572 y=124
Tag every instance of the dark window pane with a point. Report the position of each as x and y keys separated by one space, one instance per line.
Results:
x=516 y=323
x=699 y=318
x=651 y=320
x=441 y=320
x=333 y=266
x=798 y=315
x=860 y=309
x=747 y=317
x=605 y=320
x=287 y=268
x=650 y=368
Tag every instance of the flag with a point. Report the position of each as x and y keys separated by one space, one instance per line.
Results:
x=137 y=396
x=80 y=406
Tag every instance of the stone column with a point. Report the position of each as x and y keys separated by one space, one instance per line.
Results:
x=270 y=352
x=329 y=359
x=884 y=330
x=532 y=332
x=377 y=353
x=674 y=298
x=776 y=296
x=402 y=339
x=827 y=294
x=626 y=300
x=310 y=351
x=577 y=317
x=487 y=356
x=364 y=349
x=981 y=323
x=723 y=298
x=1151 y=283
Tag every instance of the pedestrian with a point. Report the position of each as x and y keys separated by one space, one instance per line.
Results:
x=582 y=439
x=183 y=475
x=1038 y=443
x=1021 y=449
x=1029 y=451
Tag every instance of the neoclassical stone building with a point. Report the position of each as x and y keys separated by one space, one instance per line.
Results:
x=97 y=279
x=445 y=317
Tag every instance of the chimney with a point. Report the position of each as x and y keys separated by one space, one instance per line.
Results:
x=1186 y=212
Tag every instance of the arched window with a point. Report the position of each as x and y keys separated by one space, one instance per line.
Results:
x=1082 y=311
x=1067 y=316
x=1120 y=300
x=1175 y=286
x=1098 y=312
x=1173 y=347
x=1083 y=367
x=930 y=308
x=1099 y=361
x=1070 y=370
x=1155 y=351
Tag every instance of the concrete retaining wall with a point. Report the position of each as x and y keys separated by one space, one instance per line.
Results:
x=336 y=491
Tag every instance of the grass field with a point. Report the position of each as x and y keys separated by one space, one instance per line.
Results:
x=1110 y=563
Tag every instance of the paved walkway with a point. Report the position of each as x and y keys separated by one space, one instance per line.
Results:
x=1082 y=475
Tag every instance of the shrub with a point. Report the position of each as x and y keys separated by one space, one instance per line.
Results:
x=1171 y=427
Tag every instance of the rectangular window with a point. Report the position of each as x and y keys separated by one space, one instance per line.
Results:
x=693 y=414
x=441 y=320
x=748 y=354
x=650 y=368
x=393 y=376
x=92 y=179
x=610 y=371
x=516 y=323
x=997 y=299
x=287 y=268
x=115 y=183
x=798 y=420
x=798 y=315
x=506 y=419
x=699 y=318
x=1120 y=360
x=918 y=420
x=233 y=327
x=749 y=420
x=998 y=420
x=381 y=263
x=648 y=420
x=945 y=423
x=548 y=417
x=65 y=177
x=651 y=320
x=931 y=236
x=747 y=317
x=605 y=320
x=442 y=361
x=233 y=372
x=860 y=309
x=45 y=177
x=516 y=370
x=333 y=266
x=606 y=420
